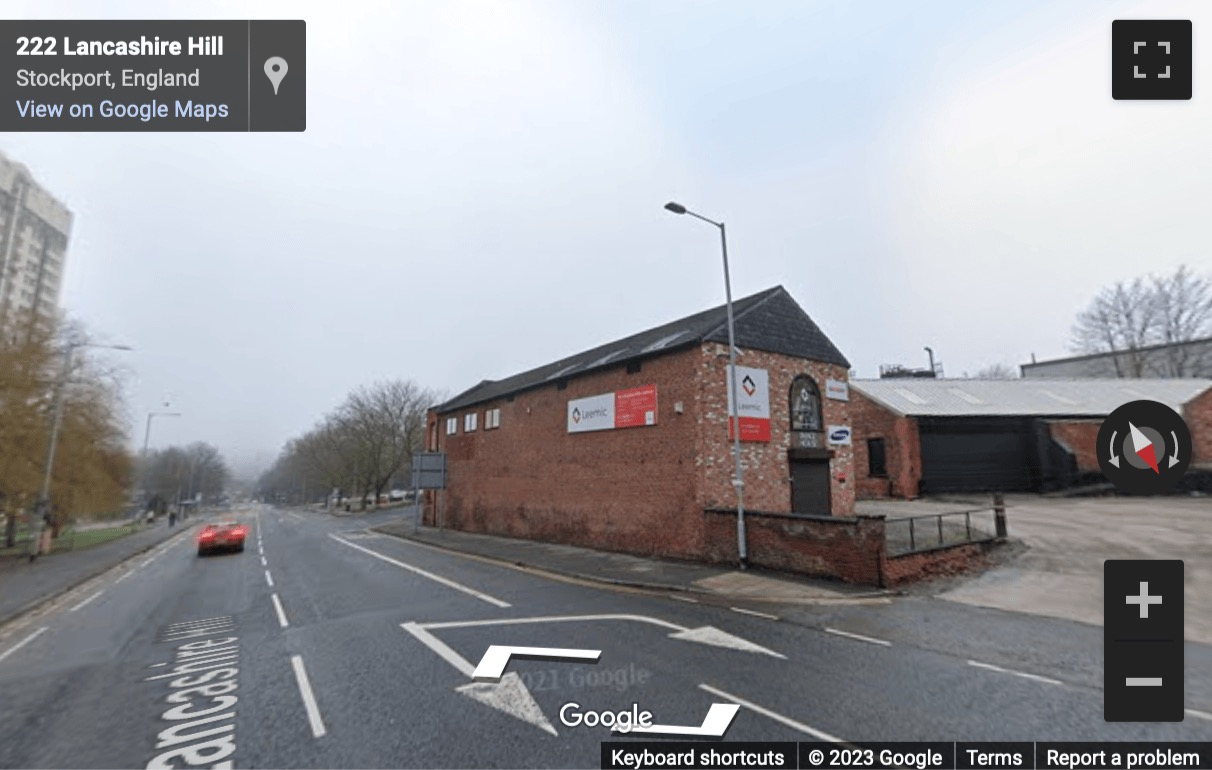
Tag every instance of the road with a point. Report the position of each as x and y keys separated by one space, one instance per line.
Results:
x=324 y=645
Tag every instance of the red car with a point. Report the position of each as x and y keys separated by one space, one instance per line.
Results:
x=221 y=536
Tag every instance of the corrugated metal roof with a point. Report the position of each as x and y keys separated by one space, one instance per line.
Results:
x=770 y=320
x=1025 y=397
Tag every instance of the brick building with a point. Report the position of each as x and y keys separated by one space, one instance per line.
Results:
x=927 y=436
x=626 y=447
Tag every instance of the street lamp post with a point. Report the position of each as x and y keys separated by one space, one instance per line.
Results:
x=734 y=420
x=146 y=440
x=43 y=505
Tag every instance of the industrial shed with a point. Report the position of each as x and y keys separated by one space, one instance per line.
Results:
x=931 y=436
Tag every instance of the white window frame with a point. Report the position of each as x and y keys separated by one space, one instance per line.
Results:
x=469 y=422
x=452 y=426
x=492 y=419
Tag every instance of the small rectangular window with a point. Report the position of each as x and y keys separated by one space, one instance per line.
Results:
x=492 y=419
x=452 y=426
x=877 y=464
x=633 y=367
x=469 y=422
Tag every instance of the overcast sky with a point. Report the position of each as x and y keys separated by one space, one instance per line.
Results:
x=480 y=189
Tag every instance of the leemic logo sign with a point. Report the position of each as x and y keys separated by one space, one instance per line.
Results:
x=631 y=408
x=753 y=410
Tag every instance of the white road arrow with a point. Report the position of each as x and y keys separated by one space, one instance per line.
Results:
x=492 y=665
x=510 y=695
x=715 y=724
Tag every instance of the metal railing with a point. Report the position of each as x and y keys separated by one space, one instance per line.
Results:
x=910 y=534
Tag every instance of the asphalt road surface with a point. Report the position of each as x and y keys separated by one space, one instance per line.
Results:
x=323 y=645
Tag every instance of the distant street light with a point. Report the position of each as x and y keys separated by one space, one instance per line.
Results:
x=43 y=505
x=146 y=439
x=739 y=480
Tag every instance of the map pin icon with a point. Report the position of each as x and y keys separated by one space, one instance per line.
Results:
x=275 y=70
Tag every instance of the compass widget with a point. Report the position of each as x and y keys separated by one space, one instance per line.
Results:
x=1144 y=448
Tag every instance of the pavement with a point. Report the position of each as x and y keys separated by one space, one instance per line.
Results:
x=327 y=644
x=626 y=570
x=25 y=585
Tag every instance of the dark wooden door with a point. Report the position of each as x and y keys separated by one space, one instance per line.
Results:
x=810 y=487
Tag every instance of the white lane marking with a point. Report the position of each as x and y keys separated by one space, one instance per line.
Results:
x=425 y=573
x=859 y=637
x=281 y=613
x=269 y=579
x=755 y=613
x=554 y=619
x=263 y=562
x=1200 y=714
x=21 y=643
x=125 y=575
x=686 y=599
x=709 y=635
x=86 y=601
x=807 y=730
x=149 y=560
x=1023 y=674
x=309 y=698
x=437 y=645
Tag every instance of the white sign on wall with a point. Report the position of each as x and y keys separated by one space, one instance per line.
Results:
x=837 y=390
x=753 y=389
x=753 y=396
x=593 y=413
x=839 y=435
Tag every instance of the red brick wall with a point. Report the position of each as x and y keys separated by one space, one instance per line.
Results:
x=845 y=548
x=952 y=560
x=1198 y=414
x=767 y=468
x=630 y=490
x=902 y=449
x=1081 y=437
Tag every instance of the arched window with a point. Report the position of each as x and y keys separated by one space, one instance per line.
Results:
x=805 y=405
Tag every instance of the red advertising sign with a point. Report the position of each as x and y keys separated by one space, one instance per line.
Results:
x=752 y=429
x=635 y=407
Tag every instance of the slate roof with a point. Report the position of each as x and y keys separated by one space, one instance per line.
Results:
x=1025 y=397
x=770 y=320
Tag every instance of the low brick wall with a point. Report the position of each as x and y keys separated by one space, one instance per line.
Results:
x=936 y=562
x=849 y=548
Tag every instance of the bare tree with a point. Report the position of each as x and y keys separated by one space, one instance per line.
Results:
x=997 y=372
x=1184 y=313
x=359 y=447
x=1127 y=318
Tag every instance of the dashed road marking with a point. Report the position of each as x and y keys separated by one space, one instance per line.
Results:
x=21 y=643
x=309 y=698
x=1023 y=674
x=1200 y=714
x=86 y=601
x=686 y=599
x=425 y=573
x=269 y=579
x=263 y=562
x=859 y=637
x=755 y=613
x=281 y=613
x=803 y=728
